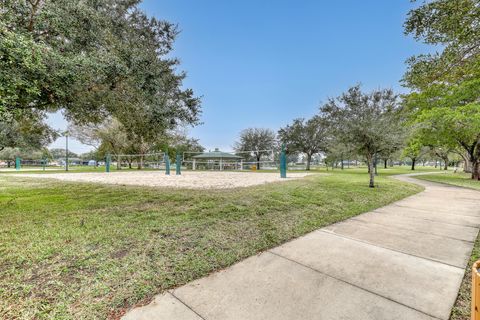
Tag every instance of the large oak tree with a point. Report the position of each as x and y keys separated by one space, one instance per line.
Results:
x=92 y=60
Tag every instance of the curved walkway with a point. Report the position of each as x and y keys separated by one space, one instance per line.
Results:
x=402 y=261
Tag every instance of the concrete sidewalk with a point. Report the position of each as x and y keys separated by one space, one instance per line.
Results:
x=402 y=261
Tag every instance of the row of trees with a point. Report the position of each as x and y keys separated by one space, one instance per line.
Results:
x=440 y=117
x=9 y=155
x=366 y=124
x=102 y=63
x=372 y=126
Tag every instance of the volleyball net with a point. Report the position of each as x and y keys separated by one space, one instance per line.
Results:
x=231 y=160
x=155 y=160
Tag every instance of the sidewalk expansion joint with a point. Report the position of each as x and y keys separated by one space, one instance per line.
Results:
x=408 y=229
x=387 y=248
x=427 y=210
x=186 y=305
x=352 y=284
x=427 y=219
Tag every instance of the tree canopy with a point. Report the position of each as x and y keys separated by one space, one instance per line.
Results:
x=369 y=122
x=306 y=136
x=92 y=60
x=446 y=85
x=258 y=141
x=28 y=132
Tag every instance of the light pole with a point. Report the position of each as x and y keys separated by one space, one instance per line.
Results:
x=66 y=150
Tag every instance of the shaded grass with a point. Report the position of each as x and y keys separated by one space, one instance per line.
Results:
x=89 y=251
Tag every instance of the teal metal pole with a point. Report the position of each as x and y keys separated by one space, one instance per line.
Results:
x=283 y=163
x=178 y=164
x=17 y=163
x=108 y=159
x=66 y=151
x=167 y=164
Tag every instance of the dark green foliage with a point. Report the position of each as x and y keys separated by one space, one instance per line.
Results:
x=309 y=137
x=368 y=122
x=93 y=60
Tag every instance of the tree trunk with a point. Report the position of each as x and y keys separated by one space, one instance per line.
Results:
x=385 y=163
x=476 y=170
x=466 y=163
x=413 y=163
x=375 y=165
x=258 y=162
x=371 y=173
x=445 y=167
x=119 y=163
x=140 y=163
x=474 y=159
x=309 y=159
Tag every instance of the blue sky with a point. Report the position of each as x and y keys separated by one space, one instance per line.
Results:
x=264 y=63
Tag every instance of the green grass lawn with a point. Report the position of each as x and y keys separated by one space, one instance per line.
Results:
x=461 y=309
x=458 y=179
x=90 y=251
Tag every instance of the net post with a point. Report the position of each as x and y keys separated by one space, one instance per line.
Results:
x=17 y=163
x=178 y=164
x=283 y=162
x=167 y=164
x=108 y=158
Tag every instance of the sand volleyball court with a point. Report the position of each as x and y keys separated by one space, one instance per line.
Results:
x=188 y=179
